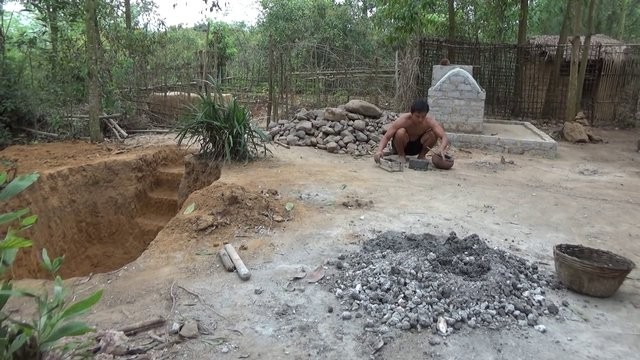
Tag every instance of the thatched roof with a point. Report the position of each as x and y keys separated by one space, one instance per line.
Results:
x=601 y=45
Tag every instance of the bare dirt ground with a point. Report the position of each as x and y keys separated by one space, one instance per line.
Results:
x=588 y=195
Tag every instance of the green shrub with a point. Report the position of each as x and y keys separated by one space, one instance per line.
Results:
x=223 y=130
x=51 y=332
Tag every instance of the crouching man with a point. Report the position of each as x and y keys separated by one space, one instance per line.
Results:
x=414 y=133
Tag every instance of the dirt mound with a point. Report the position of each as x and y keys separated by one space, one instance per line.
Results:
x=413 y=281
x=222 y=207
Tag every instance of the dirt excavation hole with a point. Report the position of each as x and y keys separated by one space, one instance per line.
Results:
x=100 y=216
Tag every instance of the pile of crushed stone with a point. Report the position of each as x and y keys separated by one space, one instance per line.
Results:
x=410 y=281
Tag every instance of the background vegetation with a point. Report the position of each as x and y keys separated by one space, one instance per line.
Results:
x=58 y=55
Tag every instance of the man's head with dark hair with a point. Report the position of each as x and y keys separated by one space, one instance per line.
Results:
x=420 y=106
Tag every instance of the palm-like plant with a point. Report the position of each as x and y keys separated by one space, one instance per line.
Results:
x=223 y=129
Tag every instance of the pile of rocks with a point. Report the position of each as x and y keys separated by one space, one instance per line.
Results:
x=579 y=130
x=354 y=128
x=423 y=282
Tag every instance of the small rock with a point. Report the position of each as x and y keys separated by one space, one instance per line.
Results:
x=332 y=147
x=334 y=114
x=346 y=316
x=575 y=132
x=565 y=303
x=532 y=319
x=360 y=125
x=434 y=341
x=175 y=328
x=553 y=309
x=190 y=329
x=431 y=256
x=541 y=328
x=258 y=291
x=292 y=140
x=330 y=309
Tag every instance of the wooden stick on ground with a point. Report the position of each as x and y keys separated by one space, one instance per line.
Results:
x=281 y=144
x=142 y=326
x=226 y=260
x=37 y=132
x=242 y=270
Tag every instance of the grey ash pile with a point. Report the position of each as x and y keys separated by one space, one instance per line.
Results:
x=409 y=281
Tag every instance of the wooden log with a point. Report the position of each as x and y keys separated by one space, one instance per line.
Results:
x=142 y=326
x=103 y=117
x=118 y=128
x=242 y=270
x=114 y=131
x=226 y=260
x=37 y=132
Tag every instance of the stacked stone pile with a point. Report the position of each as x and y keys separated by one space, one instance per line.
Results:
x=354 y=128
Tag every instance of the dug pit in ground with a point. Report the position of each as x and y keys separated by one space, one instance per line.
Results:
x=100 y=215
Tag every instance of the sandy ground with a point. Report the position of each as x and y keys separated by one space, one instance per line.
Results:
x=588 y=195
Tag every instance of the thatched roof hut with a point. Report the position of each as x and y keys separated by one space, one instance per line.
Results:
x=602 y=46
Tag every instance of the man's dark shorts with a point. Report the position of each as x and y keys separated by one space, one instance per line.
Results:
x=411 y=149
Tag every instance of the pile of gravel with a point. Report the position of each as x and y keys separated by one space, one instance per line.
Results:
x=409 y=281
x=354 y=128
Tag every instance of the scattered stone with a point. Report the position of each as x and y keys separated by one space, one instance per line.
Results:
x=363 y=108
x=258 y=291
x=292 y=140
x=360 y=125
x=553 y=309
x=175 y=328
x=190 y=329
x=434 y=341
x=330 y=309
x=346 y=316
x=305 y=126
x=114 y=343
x=334 y=114
x=575 y=132
x=565 y=303
x=581 y=119
x=332 y=147
x=541 y=328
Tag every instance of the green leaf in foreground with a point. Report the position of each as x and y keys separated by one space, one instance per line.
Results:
x=17 y=185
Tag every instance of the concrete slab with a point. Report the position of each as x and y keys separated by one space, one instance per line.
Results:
x=513 y=137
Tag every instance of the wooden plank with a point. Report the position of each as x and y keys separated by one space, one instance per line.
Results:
x=226 y=260
x=242 y=270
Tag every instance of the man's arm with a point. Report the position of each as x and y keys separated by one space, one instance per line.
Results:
x=438 y=130
x=397 y=124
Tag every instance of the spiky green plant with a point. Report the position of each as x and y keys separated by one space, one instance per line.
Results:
x=224 y=130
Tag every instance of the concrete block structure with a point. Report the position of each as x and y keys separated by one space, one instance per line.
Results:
x=457 y=101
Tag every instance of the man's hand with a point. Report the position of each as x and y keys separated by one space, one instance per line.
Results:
x=377 y=156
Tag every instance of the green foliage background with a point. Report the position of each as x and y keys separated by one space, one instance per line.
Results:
x=43 y=71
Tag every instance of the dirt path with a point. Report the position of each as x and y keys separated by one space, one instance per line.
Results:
x=588 y=195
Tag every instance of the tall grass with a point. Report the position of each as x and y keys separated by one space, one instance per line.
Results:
x=224 y=131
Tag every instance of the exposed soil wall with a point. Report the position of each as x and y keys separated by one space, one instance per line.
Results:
x=100 y=216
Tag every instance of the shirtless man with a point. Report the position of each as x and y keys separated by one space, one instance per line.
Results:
x=414 y=133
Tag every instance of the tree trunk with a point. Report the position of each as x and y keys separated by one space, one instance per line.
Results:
x=573 y=75
x=548 y=110
x=522 y=41
x=127 y=14
x=623 y=18
x=452 y=30
x=54 y=37
x=585 y=53
x=93 y=67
